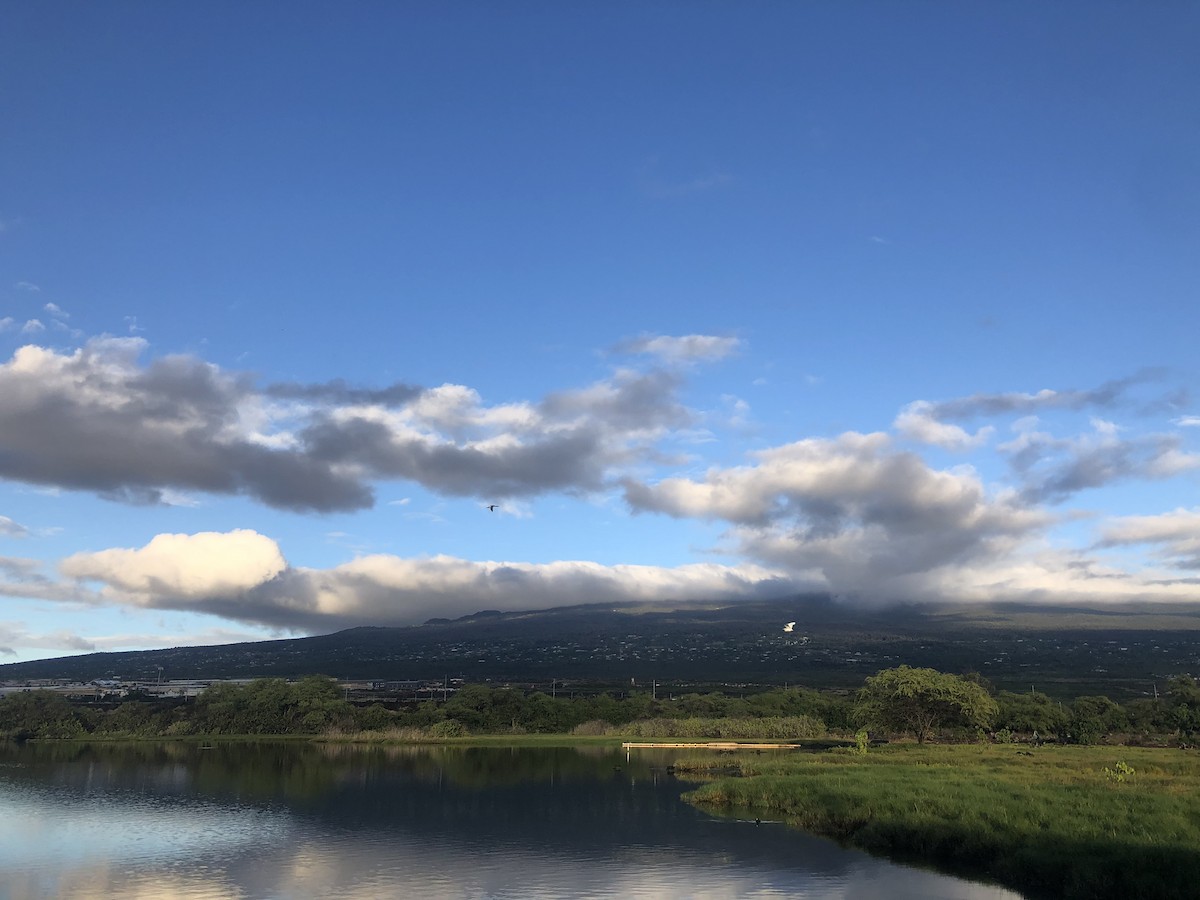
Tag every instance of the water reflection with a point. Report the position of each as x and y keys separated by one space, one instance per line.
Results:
x=309 y=821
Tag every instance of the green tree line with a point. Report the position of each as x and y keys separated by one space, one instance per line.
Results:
x=921 y=703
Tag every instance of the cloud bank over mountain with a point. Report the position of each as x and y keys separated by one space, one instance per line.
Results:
x=869 y=517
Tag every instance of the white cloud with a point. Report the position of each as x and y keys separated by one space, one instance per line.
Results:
x=682 y=348
x=242 y=576
x=23 y=578
x=27 y=286
x=9 y=528
x=1053 y=469
x=97 y=419
x=1049 y=575
x=33 y=326
x=57 y=311
x=183 y=566
x=735 y=411
x=7 y=323
x=1187 y=421
x=15 y=635
x=853 y=511
x=149 y=640
x=917 y=422
x=1177 y=535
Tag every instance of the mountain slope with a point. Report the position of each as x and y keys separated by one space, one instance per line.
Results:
x=1059 y=649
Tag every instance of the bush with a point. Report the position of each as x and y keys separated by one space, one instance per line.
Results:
x=771 y=728
x=448 y=728
x=1119 y=774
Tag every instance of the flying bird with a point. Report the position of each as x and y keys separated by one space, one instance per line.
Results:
x=493 y=507
x=789 y=626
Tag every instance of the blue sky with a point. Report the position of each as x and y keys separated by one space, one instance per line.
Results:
x=714 y=301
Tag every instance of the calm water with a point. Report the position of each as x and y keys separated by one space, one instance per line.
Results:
x=305 y=821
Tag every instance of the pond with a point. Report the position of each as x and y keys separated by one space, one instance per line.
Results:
x=324 y=820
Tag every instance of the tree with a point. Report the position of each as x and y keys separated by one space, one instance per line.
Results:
x=922 y=701
x=1185 y=705
x=1094 y=717
x=38 y=714
x=1030 y=713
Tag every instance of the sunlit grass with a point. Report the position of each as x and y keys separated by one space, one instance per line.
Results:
x=1049 y=821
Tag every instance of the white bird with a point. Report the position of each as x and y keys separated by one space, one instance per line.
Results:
x=789 y=626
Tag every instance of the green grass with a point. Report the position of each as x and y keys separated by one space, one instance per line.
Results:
x=1049 y=824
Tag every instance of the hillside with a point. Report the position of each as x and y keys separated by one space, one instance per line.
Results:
x=1064 y=650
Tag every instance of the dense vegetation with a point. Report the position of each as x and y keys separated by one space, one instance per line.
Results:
x=1051 y=821
x=314 y=706
x=922 y=703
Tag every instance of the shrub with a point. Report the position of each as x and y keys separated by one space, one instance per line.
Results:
x=1119 y=774
x=448 y=728
x=861 y=741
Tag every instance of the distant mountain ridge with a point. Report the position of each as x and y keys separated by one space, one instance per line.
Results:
x=1062 y=648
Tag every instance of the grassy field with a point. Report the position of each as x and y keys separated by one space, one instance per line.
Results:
x=1049 y=822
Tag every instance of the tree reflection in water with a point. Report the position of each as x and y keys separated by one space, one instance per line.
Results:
x=313 y=820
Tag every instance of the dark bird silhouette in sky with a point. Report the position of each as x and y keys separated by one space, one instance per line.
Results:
x=493 y=507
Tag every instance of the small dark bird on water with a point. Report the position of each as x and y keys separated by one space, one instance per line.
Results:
x=493 y=507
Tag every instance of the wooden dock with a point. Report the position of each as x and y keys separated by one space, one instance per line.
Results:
x=705 y=745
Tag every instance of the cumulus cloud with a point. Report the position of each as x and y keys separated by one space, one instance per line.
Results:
x=852 y=511
x=57 y=311
x=186 y=566
x=33 y=326
x=242 y=575
x=682 y=348
x=97 y=419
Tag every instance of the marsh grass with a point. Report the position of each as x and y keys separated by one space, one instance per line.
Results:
x=1048 y=822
